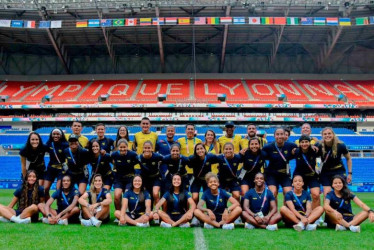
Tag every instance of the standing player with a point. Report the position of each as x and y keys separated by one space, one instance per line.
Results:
x=77 y=128
x=106 y=144
x=123 y=133
x=212 y=146
x=252 y=133
x=306 y=129
x=230 y=137
x=145 y=135
x=163 y=146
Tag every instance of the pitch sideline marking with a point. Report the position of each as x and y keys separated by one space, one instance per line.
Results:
x=199 y=239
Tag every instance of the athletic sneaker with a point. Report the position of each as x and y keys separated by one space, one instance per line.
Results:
x=95 y=221
x=299 y=226
x=229 y=226
x=208 y=226
x=248 y=226
x=45 y=220
x=273 y=227
x=165 y=225
x=116 y=221
x=195 y=222
x=156 y=222
x=86 y=223
x=340 y=228
x=238 y=221
x=3 y=219
x=63 y=222
x=142 y=224
x=311 y=227
x=122 y=225
x=185 y=225
x=355 y=229
x=24 y=221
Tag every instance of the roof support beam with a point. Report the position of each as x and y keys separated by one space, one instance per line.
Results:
x=108 y=43
x=193 y=12
x=329 y=47
x=224 y=43
x=160 y=43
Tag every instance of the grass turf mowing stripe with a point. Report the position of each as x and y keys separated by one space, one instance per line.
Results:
x=199 y=239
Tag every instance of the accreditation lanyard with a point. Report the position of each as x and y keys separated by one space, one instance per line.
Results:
x=179 y=165
x=307 y=162
x=327 y=157
x=254 y=164
x=341 y=203
x=54 y=151
x=211 y=147
x=281 y=154
x=217 y=200
x=136 y=204
x=64 y=197
x=298 y=201
x=168 y=144
x=98 y=197
x=143 y=165
x=228 y=165
x=202 y=167
x=188 y=149
x=72 y=157
x=263 y=201
x=98 y=164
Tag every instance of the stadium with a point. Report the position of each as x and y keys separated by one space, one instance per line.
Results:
x=271 y=63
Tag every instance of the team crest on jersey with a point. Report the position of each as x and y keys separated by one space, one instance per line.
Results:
x=128 y=161
x=118 y=160
x=69 y=157
x=131 y=198
x=60 y=151
x=153 y=163
x=234 y=164
x=286 y=151
x=207 y=163
x=254 y=198
x=103 y=143
x=211 y=201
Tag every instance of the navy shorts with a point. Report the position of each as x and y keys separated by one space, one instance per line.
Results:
x=123 y=183
x=248 y=180
x=134 y=216
x=150 y=182
x=40 y=172
x=175 y=217
x=197 y=185
x=77 y=178
x=309 y=181
x=218 y=217
x=108 y=179
x=276 y=179
x=34 y=217
x=325 y=178
x=73 y=219
x=52 y=174
x=347 y=217
x=231 y=185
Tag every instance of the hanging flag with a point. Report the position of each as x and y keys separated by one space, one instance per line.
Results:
x=200 y=20
x=306 y=21
x=225 y=20
x=17 y=24
x=319 y=21
x=280 y=20
x=332 y=21
x=362 y=21
x=158 y=21
x=44 y=24
x=118 y=22
x=170 y=20
x=371 y=20
x=212 y=20
x=239 y=20
x=145 y=21
x=30 y=24
x=93 y=23
x=184 y=21
x=56 y=24
x=266 y=20
x=346 y=21
x=131 y=21
x=5 y=23
x=106 y=22
x=292 y=21
x=81 y=24
x=254 y=20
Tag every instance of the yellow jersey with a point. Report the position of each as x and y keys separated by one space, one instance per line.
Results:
x=235 y=140
x=212 y=150
x=129 y=147
x=83 y=141
x=312 y=142
x=244 y=142
x=140 y=138
x=187 y=148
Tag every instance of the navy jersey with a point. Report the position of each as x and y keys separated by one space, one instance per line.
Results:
x=276 y=162
x=175 y=205
x=100 y=165
x=163 y=146
x=133 y=205
x=76 y=161
x=252 y=162
x=202 y=167
x=35 y=157
x=256 y=200
x=56 y=152
x=304 y=160
x=228 y=167
x=332 y=163
x=99 y=197
x=339 y=204
x=150 y=167
x=216 y=203
x=174 y=166
x=300 y=201
x=106 y=143
x=18 y=194
x=124 y=164
x=63 y=200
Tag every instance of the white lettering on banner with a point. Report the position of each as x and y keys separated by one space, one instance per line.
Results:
x=154 y=93
x=206 y=89
x=230 y=89
x=70 y=89
x=46 y=88
x=22 y=88
x=170 y=88
x=293 y=89
x=124 y=92
x=348 y=89
x=365 y=89
x=254 y=87
x=323 y=89
x=97 y=89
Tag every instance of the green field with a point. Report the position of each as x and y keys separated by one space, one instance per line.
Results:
x=40 y=236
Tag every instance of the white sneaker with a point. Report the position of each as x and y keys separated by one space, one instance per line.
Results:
x=156 y=222
x=273 y=227
x=24 y=221
x=195 y=222
x=165 y=225
x=95 y=221
x=86 y=223
x=238 y=221
x=311 y=227
x=340 y=228
x=229 y=226
x=299 y=226
x=45 y=220
x=63 y=222
x=15 y=219
x=3 y=219
x=355 y=229
x=122 y=225
x=249 y=226
x=185 y=225
x=142 y=224
x=208 y=226
x=116 y=221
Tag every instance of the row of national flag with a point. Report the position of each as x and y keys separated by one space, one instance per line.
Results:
x=92 y=23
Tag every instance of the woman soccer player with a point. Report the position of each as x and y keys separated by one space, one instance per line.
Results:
x=138 y=202
x=123 y=133
x=179 y=205
x=212 y=146
x=217 y=214
x=331 y=150
x=95 y=203
x=100 y=164
x=67 y=204
x=339 y=210
x=32 y=156
x=29 y=197
x=55 y=145
x=298 y=210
